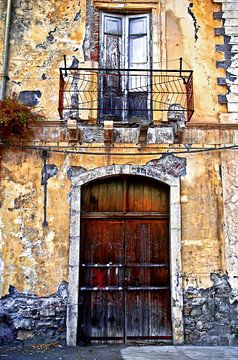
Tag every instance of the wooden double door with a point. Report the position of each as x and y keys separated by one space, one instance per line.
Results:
x=124 y=261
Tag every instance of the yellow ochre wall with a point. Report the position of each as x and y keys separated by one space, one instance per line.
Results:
x=36 y=258
x=41 y=33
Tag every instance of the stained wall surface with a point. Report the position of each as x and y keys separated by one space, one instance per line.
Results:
x=34 y=259
x=41 y=34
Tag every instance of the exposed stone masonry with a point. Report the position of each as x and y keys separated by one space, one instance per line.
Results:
x=229 y=17
x=28 y=319
x=210 y=315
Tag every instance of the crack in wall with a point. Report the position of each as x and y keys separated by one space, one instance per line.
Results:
x=196 y=26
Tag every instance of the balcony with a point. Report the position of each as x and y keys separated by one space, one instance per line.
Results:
x=126 y=96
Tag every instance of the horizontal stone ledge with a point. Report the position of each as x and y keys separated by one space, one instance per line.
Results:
x=229 y=6
x=223 y=1
x=231 y=22
x=231 y=79
x=231 y=30
x=230 y=14
x=233 y=70
x=233 y=107
x=129 y=6
x=234 y=48
x=234 y=89
x=234 y=59
x=232 y=98
x=233 y=40
x=226 y=118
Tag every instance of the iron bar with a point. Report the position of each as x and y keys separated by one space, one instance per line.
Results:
x=121 y=214
x=121 y=265
x=180 y=66
x=93 y=70
x=65 y=65
x=44 y=183
x=123 y=288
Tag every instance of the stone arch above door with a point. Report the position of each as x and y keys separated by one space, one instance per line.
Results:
x=168 y=170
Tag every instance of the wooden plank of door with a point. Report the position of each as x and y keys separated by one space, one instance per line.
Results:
x=100 y=312
x=146 y=195
x=103 y=197
x=147 y=311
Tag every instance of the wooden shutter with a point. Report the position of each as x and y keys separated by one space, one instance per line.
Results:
x=138 y=58
x=111 y=82
x=138 y=37
x=125 y=44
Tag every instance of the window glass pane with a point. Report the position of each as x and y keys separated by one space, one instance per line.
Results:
x=113 y=25
x=138 y=50
x=137 y=26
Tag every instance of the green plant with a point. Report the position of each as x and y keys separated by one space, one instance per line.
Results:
x=236 y=333
x=14 y=120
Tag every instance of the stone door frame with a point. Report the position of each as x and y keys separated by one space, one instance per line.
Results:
x=79 y=176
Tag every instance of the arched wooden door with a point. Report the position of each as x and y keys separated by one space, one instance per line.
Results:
x=124 y=261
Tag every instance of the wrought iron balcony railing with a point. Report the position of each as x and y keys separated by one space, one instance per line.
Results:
x=126 y=95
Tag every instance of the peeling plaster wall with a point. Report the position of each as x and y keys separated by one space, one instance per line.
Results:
x=202 y=220
x=42 y=33
x=190 y=35
x=33 y=258
x=36 y=258
x=230 y=186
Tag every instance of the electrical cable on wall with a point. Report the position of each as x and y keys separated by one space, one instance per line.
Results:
x=109 y=153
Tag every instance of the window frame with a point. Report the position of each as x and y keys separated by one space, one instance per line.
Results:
x=124 y=57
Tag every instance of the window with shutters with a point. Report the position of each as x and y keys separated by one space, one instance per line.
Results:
x=123 y=82
x=125 y=63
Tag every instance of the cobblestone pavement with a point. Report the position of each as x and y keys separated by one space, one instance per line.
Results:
x=116 y=352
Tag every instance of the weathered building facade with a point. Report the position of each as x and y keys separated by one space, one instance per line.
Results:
x=119 y=219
